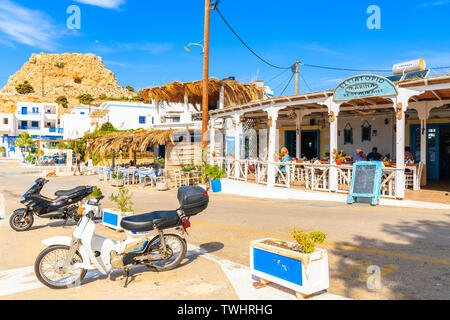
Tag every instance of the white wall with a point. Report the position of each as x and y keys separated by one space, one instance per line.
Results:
x=10 y=128
x=75 y=125
x=383 y=139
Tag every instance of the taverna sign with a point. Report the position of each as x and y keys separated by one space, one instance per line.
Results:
x=364 y=86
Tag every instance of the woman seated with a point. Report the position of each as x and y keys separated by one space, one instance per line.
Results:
x=284 y=158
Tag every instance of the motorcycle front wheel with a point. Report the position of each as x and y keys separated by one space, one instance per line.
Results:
x=49 y=268
x=175 y=252
x=19 y=222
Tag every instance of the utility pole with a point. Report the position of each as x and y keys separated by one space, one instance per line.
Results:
x=296 y=77
x=205 y=100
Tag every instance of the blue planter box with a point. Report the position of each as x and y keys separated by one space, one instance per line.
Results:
x=112 y=218
x=304 y=273
x=216 y=185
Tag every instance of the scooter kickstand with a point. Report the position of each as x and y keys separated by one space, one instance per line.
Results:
x=64 y=223
x=127 y=273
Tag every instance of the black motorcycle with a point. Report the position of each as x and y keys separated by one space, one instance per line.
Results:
x=64 y=206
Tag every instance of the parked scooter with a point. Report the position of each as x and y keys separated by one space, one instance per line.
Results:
x=65 y=262
x=64 y=206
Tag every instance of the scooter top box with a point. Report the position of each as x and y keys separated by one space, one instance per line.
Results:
x=192 y=199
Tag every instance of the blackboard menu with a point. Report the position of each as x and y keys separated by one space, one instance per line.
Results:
x=364 y=179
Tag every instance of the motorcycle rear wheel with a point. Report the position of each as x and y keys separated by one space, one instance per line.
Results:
x=19 y=223
x=54 y=257
x=176 y=251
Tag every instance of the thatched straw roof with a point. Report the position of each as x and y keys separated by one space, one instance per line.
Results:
x=235 y=93
x=128 y=141
x=98 y=114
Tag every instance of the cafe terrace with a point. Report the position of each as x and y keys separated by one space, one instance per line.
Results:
x=363 y=112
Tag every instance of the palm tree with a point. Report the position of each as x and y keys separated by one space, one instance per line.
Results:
x=25 y=140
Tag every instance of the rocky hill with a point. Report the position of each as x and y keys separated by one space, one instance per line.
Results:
x=68 y=74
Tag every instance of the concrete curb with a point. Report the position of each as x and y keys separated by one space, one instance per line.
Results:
x=259 y=191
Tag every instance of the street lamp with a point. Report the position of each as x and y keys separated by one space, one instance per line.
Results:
x=188 y=47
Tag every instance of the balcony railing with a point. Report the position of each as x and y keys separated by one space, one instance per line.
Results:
x=28 y=128
x=311 y=176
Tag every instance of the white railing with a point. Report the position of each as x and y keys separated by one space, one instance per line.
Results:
x=311 y=176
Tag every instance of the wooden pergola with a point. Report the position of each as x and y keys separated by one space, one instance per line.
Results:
x=128 y=142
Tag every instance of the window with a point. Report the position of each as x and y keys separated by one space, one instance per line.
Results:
x=35 y=124
x=366 y=131
x=348 y=134
x=35 y=110
x=5 y=120
x=142 y=119
x=23 y=124
x=81 y=112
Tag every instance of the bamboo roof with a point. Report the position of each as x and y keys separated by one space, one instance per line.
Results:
x=128 y=141
x=235 y=93
x=98 y=114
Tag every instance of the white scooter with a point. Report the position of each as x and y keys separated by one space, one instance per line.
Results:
x=65 y=262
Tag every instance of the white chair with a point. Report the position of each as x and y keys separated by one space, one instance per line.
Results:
x=177 y=178
x=409 y=180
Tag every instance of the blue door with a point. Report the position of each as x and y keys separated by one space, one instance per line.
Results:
x=433 y=152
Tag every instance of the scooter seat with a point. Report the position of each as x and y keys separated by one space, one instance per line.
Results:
x=69 y=192
x=148 y=221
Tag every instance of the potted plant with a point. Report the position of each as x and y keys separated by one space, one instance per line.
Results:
x=297 y=265
x=113 y=216
x=339 y=156
x=215 y=173
x=214 y=154
x=117 y=179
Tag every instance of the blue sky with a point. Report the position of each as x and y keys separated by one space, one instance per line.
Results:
x=142 y=41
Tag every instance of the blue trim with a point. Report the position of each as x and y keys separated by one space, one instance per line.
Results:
x=142 y=248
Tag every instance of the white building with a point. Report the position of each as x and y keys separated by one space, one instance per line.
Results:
x=40 y=120
x=122 y=115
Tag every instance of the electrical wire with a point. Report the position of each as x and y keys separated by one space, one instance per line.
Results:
x=281 y=84
x=292 y=76
x=242 y=41
x=276 y=76
x=310 y=90
x=215 y=7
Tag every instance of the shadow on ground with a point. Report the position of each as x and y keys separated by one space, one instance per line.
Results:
x=413 y=266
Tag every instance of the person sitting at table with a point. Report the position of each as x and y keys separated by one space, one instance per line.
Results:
x=374 y=155
x=263 y=155
x=409 y=157
x=284 y=158
x=360 y=156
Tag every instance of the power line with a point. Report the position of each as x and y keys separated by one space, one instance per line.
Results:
x=306 y=82
x=305 y=64
x=276 y=76
x=344 y=69
x=281 y=83
x=292 y=76
x=242 y=41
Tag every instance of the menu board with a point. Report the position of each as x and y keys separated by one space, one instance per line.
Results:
x=366 y=181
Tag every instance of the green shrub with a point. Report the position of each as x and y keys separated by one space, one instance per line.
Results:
x=215 y=172
x=123 y=200
x=24 y=88
x=62 y=100
x=307 y=242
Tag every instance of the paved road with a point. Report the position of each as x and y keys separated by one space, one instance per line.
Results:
x=409 y=247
